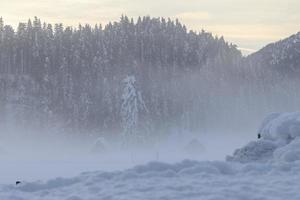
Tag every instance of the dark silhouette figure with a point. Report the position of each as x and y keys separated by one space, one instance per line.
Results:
x=259 y=136
x=18 y=182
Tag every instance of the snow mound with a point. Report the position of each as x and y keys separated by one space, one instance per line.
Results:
x=194 y=147
x=51 y=184
x=100 y=146
x=254 y=151
x=288 y=153
x=280 y=141
x=281 y=127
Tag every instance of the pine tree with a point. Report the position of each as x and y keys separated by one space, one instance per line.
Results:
x=1 y=44
x=1 y=29
x=46 y=94
x=131 y=108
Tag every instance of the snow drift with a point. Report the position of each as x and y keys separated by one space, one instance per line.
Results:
x=185 y=180
x=280 y=140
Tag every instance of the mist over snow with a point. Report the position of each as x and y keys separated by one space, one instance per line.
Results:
x=145 y=109
x=246 y=175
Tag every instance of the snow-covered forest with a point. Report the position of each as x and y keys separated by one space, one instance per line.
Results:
x=74 y=79
x=74 y=76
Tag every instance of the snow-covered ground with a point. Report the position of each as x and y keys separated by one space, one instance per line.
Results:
x=184 y=180
x=268 y=168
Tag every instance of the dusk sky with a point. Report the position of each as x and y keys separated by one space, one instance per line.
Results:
x=250 y=24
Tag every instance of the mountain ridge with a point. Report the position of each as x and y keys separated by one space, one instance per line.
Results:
x=283 y=55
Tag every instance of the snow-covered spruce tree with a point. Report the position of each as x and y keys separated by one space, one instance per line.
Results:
x=132 y=107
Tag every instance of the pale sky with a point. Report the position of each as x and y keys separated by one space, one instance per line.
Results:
x=250 y=24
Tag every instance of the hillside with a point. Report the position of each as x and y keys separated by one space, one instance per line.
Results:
x=282 y=56
x=74 y=77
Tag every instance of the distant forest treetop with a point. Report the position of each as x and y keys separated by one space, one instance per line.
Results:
x=148 y=40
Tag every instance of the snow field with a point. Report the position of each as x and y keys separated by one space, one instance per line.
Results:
x=185 y=180
x=266 y=169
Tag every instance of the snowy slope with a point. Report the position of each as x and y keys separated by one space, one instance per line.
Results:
x=283 y=55
x=280 y=140
x=276 y=178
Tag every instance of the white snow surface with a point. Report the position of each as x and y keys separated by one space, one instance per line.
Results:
x=185 y=180
x=266 y=169
x=281 y=127
x=280 y=141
